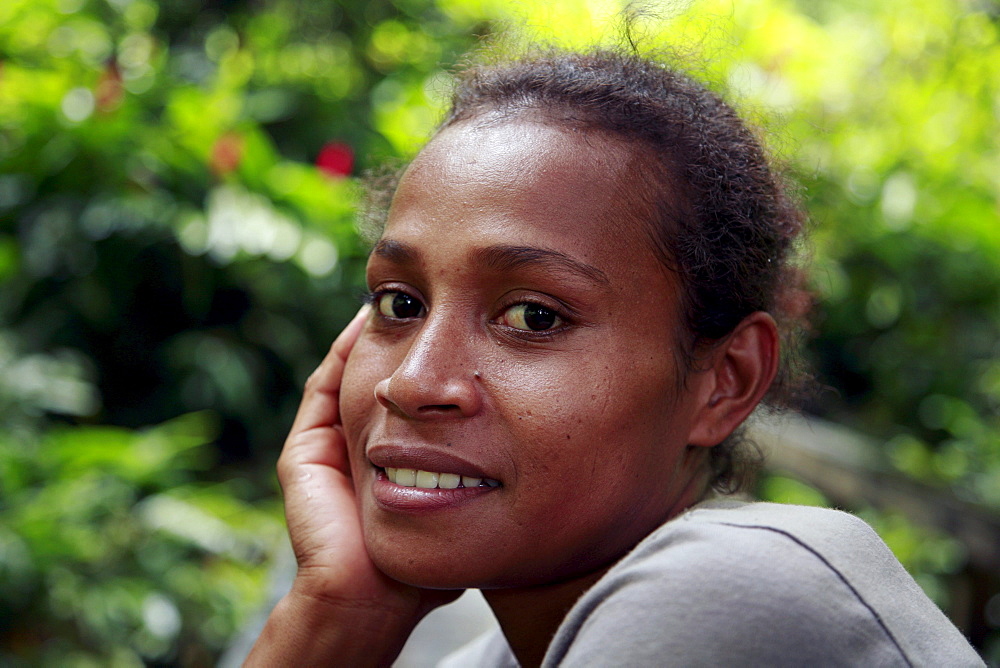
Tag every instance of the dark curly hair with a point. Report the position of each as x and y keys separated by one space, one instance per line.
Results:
x=719 y=215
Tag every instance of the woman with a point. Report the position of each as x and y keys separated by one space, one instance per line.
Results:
x=573 y=308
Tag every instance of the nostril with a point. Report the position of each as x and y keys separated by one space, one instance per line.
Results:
x=428 y=393
x=439 y=407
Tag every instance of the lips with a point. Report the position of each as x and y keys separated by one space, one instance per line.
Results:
x=416 y=479
x=429 y=459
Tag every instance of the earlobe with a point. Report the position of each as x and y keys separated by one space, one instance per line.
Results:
x=743 y=367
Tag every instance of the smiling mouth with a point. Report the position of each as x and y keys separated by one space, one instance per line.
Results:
x=431 y=480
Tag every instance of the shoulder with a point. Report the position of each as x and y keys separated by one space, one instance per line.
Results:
x=741 y=549
x=731 y=582
x=812 y=538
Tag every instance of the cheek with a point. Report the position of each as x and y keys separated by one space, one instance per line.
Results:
x=595 y=462
x=599 y=423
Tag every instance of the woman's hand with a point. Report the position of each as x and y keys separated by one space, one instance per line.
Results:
x=341 y=606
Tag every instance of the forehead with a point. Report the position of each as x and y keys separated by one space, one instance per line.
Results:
x=551 y=185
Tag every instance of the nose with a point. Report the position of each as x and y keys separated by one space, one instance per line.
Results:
x=437 y=378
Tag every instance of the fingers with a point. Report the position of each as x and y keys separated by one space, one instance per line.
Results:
x=319 y=407
x=314 y=438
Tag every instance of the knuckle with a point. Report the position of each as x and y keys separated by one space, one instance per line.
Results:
x=314 y=380
x=285 y=467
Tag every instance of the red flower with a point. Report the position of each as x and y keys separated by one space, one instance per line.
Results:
x=227 y=153
x=109 y=91
x=335 y=159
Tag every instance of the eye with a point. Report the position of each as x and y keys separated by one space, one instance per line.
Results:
x=398 y=305
x=530 y=317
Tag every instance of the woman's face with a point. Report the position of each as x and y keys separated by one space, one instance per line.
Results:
x=518 y=366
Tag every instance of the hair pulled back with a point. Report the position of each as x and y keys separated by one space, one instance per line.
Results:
x=719 y=215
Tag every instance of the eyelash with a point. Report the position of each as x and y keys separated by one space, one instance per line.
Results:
x=372 y=298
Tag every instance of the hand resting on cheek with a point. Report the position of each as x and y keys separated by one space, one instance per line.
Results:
x=340 y=603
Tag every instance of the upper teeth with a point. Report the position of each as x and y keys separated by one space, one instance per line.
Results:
x=429 y=480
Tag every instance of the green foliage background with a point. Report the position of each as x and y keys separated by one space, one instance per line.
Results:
x=173 y=263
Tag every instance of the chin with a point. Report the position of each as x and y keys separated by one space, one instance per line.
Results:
x=426 y=573
x=462 y=566
x=452 y=565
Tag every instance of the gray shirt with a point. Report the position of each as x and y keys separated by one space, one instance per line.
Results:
x=729 y=583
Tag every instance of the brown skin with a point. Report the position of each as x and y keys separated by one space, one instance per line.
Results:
x=340 y=606
x=590 y=429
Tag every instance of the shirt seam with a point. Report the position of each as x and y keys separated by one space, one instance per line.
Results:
x=843 y=578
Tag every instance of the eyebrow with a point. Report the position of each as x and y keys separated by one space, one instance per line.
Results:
x=502 y=258
x=396 y=252
x=509 y=258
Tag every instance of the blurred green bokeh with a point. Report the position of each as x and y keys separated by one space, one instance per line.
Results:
x=177 y=250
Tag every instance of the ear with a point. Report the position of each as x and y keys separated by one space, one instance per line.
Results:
x=741 y=369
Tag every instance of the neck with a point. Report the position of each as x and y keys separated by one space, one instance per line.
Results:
x=530 y=616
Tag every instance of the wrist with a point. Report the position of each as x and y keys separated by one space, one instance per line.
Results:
x=313 y=626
